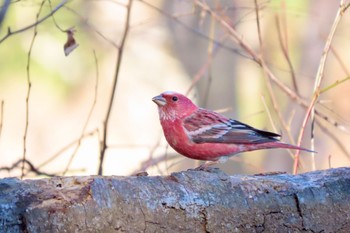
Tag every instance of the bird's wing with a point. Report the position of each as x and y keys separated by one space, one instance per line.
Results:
x=205 y=126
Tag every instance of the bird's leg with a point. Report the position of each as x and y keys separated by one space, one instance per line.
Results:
x=206 y=165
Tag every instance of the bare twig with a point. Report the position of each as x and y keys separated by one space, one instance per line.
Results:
x=31 y=168
x=308 y=112
x=114 y=87
x=284 y=48
x=202 y=71
x=69 y=145
x=340 y=61
x=268 y=112
x=336 y=83
x=258 y=27
x=11 y=33
x=318 y=80
x=210 y=50
x=29 y=83
x=336 y=140
x=189 y=28
x=150 y=157
x=3 y=10
x=150 y=162
x=333 y=122
x=54 y=20
x=88 y=118
x=93 y=27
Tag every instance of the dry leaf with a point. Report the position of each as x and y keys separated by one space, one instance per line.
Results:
x=70 y=45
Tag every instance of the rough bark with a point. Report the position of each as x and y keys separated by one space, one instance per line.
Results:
x=190 y=201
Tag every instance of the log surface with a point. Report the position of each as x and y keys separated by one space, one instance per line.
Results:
x=189 y=201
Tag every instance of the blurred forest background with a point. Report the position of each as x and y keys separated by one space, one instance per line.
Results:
x=279 y=65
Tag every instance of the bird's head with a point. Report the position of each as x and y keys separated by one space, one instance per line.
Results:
x=172 y=105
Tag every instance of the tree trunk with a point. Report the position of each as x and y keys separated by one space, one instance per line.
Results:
x=190 y=201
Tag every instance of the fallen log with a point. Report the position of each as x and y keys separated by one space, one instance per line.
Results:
x=189 y=201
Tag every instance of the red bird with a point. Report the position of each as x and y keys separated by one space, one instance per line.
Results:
x=202 y=134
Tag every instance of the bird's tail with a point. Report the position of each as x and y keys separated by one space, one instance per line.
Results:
x=288 y=146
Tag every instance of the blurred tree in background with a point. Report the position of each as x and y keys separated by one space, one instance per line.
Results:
x=278 y=65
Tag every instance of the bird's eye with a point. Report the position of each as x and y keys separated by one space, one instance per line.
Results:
x=175 y=98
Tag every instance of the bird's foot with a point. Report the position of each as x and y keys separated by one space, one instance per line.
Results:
x=207 y=167
x=142 y=173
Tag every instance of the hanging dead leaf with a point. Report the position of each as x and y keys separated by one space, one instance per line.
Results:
x=71 y=44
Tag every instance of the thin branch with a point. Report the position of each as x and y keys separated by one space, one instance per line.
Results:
x=29 y=83
x=89 y=115
x=258 y=27
x=203 y=70
x=268 y=113
x=319 y=77
x=179 y=22
x=93 y=27
x=336 y=140
x=274 y=125
x=336 y=83
x=302 y=129
x=340 y=61
x=340 y=126
x=151 y=161
x=3 y=10
x=31 y=168
x=114 y=87
x=284 y=48
x=54 y=20
x=210 y=49
x=11 y=33
x=330 y=161
x=66 y=147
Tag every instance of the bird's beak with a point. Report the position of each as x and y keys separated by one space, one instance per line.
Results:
x=159 y=100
